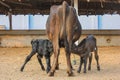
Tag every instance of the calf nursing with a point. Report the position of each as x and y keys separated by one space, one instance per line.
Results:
x=84 y=49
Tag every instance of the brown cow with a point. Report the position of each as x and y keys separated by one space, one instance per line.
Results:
x=63 y=29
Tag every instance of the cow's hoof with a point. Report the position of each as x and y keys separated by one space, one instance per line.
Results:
x=73 y=69
x=84 y=72
x=89 y=68
x=78 y=71
x=57 y=68
x=70 y=73
x=43 y=68
x=21 y=69
x=51 y=74
x=98 y=68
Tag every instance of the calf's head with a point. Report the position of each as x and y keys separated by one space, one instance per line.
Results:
x=34 y=44
x=47 y=47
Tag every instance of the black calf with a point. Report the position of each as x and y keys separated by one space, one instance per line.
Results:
x=84 y=50
x=43 y=48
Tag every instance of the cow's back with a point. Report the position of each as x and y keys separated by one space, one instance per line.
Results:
x=56 y=25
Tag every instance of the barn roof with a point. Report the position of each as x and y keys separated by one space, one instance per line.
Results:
x=85 y=7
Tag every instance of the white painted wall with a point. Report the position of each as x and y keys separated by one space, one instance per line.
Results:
x=88 y=22
x=111 y=22
x=4 y=20
x=39 y=22
x=21 y=22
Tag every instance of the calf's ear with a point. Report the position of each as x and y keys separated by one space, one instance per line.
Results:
x=32 y=41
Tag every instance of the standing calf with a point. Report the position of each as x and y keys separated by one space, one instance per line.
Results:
x=84 y=50
x=43 y=48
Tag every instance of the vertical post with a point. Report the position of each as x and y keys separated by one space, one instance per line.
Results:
x=72 y=3
x=10 y=20
x=30 y=21
x=99 y=21
x=76 y=5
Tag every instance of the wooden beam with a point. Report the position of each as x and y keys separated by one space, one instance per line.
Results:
x=19 y=3
x=4 y=4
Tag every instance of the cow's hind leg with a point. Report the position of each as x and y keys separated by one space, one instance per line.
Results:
x=40 y=62
x=69 y=68
x=27 y=59
x=97 y=59
x=56 y=55
x=90 y=61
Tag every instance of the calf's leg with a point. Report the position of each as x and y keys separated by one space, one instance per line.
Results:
x=97 y=59
x=40 y=62
x=48 y=63
x=85 y=61
x=27 y=59
x=80 y=66
x=90 y=61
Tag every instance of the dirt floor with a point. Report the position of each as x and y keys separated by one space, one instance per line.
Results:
x=11 y=60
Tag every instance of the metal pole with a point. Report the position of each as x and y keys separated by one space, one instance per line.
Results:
x=10 y=20
x=76 y=7
x=72 y=3
x=99 y=21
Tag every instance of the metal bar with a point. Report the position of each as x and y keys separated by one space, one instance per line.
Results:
x=10 y=20
x=30 y=21
x=99 y=21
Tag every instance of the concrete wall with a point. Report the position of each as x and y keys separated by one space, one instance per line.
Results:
x=106 y=40
x=24 y=40
x=18 y=41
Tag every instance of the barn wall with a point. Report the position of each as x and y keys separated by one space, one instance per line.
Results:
x=106 y=40
x=18 y=41
x=32 y=22
x=24 y=40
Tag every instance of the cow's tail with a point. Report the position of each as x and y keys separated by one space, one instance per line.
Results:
x=64 y=4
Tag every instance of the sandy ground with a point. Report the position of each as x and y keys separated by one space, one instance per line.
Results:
x=11 y=60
